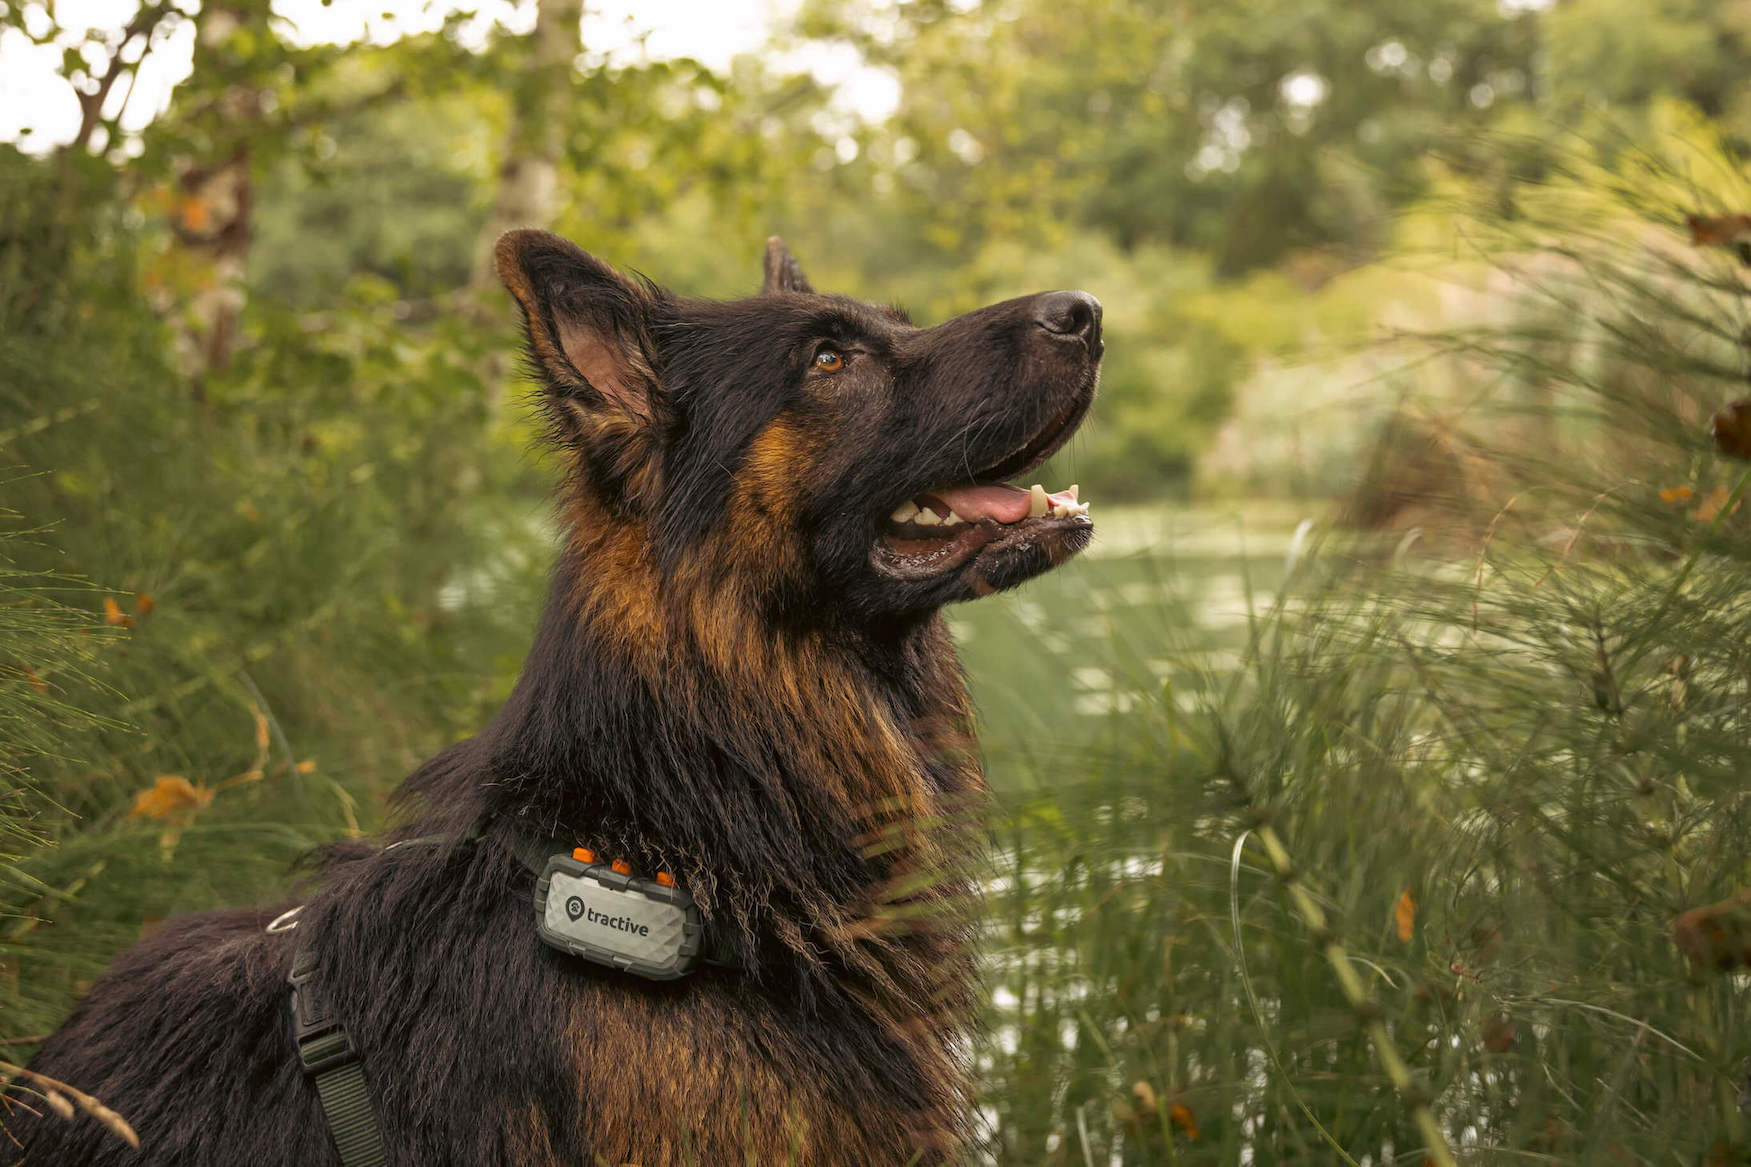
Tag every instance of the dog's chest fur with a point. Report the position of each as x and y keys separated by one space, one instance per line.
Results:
x=726 y=1077
x=818 y=812
x=528 y=1057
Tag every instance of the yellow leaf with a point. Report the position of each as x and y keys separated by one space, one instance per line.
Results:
x=306 y=767
x=113 y=614
x=144 y=603
x=195 y=214
x=1676 y=494
x=171 y=794
x=1405 y=915
x=261 y=727
x=1183 y=1118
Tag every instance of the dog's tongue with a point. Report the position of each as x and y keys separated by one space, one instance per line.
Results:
x=1006 y=504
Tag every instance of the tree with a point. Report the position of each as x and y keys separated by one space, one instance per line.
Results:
x=1247 y=130
x=529 y=175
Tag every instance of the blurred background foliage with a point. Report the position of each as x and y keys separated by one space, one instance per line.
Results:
x=275 y=528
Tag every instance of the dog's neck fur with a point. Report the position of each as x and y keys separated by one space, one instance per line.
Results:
x=811 y=788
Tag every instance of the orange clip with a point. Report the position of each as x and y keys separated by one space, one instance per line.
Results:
x=620 y=867
x=584 y=855
x=664 y=878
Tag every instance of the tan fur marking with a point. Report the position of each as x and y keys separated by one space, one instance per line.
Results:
x=714 y=1094
x=528 y=1139
x=618 y=594
x=760 y=534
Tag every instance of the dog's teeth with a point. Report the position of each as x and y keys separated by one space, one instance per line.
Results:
x=1073 y=489
x=952 y=519
x=1038 y=503
x=1075 y=508
x=905 y=513
x=928 y=518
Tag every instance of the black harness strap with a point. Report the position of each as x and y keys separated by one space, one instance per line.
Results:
x=329 y=1057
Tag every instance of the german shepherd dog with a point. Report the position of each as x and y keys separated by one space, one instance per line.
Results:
x=742 y=680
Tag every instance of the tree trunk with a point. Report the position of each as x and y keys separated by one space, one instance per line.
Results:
x=529 y=177
x=212 y=217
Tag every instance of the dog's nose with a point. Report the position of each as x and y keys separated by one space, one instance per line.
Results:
x=1069 y=314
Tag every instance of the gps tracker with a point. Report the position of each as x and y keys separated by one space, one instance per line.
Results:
x=603 y=913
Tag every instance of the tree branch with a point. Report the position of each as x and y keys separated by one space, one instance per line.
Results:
x=91 y=104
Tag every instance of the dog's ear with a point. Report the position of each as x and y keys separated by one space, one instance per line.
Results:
x=590 y=340
x=783 y=274
x=588 y=324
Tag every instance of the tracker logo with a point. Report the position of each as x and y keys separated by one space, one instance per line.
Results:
x=577 y=909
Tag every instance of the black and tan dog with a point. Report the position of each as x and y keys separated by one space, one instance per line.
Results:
x=742 y=678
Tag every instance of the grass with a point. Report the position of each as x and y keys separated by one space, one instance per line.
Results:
x=1161 y=599
x=1366 y=861
x=1084 y=679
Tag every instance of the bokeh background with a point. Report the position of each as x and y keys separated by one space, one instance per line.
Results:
x=1371 y=792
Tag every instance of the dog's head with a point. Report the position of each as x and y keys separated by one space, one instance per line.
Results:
x=848 y=461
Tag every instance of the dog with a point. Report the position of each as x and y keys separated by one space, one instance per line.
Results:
x=742 y=696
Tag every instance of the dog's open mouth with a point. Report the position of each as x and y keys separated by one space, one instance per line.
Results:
x=941 y=528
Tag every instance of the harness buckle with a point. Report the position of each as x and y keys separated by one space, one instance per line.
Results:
x=322 y=1041
x=331 y=1061
x=326 y=1050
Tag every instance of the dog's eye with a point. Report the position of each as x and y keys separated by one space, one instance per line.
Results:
x=829 y=361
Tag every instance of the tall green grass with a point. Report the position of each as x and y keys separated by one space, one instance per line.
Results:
x=1396 y=879
x=266 y=594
